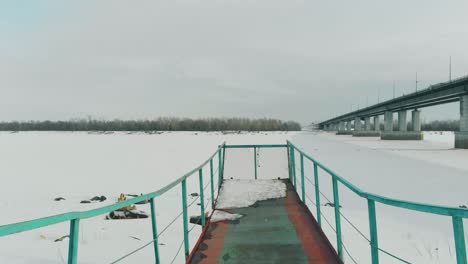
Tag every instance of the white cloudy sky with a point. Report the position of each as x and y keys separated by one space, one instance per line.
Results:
x=303 y=60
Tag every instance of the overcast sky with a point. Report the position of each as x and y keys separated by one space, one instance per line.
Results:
x=302 y=60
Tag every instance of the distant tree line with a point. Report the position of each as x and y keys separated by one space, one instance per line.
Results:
x=160 y=124
x=438 y=125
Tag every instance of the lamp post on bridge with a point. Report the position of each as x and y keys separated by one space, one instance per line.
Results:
x=416 y=81
x=450 y=69
x=378 y=95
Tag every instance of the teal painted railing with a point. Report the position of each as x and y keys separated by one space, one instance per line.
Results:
x=75 y=217
x=255 y=148
x=456 y=214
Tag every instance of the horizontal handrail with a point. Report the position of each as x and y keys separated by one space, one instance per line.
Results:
x=55 y=219
x=421 y=207
x=257 y=146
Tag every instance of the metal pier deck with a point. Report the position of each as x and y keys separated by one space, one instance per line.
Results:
x=273 y=231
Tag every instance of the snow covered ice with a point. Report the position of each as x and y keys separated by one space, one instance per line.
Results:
x=220 y=215
x=40 y=166
x=244 y=193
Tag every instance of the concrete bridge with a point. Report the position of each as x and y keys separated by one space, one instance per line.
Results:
x=442 y=93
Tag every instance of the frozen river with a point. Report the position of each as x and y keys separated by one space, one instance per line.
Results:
x=37 y=167
x=428 y=171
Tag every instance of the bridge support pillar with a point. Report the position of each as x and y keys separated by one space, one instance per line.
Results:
x=377 y=123
x=461 y=137
x=340 y=126
x=388 y=122
x=416 y=120
x=403 y=133
x=345 y=128
x=357 y=124
x=402 y=124
x=367 y=131
x=388 y=126
x=367 y=123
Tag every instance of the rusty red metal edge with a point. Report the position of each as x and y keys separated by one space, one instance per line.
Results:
x=200 y=238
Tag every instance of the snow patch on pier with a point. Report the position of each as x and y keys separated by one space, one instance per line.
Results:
x=244 y=193
x=219 y=216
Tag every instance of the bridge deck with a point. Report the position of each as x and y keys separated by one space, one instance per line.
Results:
x=273 y=231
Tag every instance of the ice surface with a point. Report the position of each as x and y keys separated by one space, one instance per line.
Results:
x=244 y=193
x=36 y=167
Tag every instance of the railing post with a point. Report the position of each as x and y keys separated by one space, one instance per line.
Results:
x=293 y=166
x=373 y=231
x=155 y=231
x=223 y=160
x=73 y=242
x=220 y=170
x=336 y=201
x=459 y=234
x=288 y=152
x=255 y=161
x=302 y=178
x=317 y=195
x=212 y=184
x=202 y=198
x=185 y=218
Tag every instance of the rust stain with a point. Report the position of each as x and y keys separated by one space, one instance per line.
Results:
x=211 y=249
x=316 y=246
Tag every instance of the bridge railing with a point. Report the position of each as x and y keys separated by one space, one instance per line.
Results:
x=456 y=214
x=256 y=153
x=75 y=217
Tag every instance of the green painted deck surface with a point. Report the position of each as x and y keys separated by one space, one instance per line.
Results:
x=273 y=231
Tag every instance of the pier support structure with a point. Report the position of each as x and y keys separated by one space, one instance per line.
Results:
x=461 y=137
x=367 y=123
x=369 y=129
x=377 y=124
x=402 y=124
x=416 y=120
x=403 y=133
x=345 y=128
x=388 y=122
x=357 y=124
x=341 y=126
